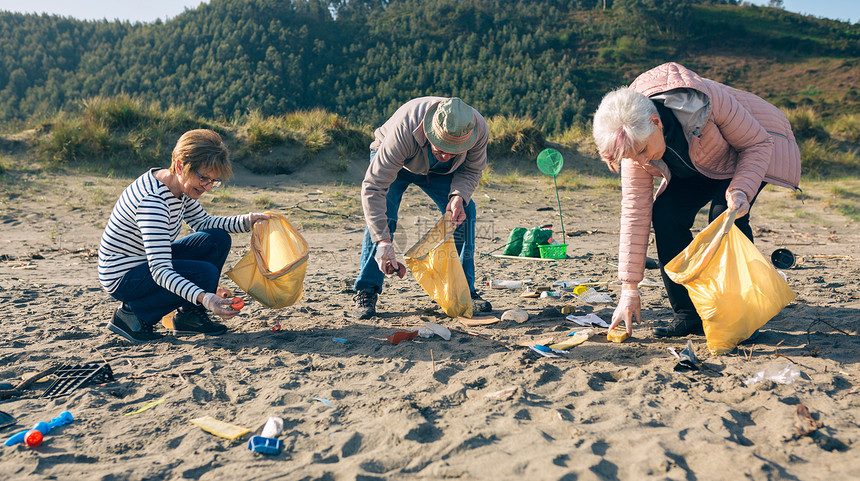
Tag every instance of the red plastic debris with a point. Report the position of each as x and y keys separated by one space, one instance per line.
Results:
x=399 y=336
x=238 y=303
x=276 y=328
x=33 y=438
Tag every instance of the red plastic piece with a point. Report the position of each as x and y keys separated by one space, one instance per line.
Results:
x=276 y=328
x=238 y=303
x=400 y=336
x=33 y=438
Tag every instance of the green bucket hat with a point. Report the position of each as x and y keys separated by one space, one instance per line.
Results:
x=450 y=126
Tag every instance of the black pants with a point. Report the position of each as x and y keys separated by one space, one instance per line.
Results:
x=673 y=216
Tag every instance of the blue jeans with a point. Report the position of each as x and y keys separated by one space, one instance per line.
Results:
x=437 y=187
x=198 y=257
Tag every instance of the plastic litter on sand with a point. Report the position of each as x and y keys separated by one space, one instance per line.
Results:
x=569 y=284
x=274 y=426
x=782 y=373
x=430 y=329
x=220 y=428
x=264 y=445
x=543 y=351
x=619 y=334
x=588 y=321
x=506 y=284
x=146 y=407
x=591 y=296
x=687 y=359
x=71 y=377
x=646 y=282
x=517 y=315
x=574 y=339
x=401 y=336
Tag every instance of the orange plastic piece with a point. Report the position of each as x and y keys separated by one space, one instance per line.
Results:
x=400 y=336
x=33 y=438
x=238 y=303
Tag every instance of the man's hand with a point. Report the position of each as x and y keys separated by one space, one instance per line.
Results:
x=387 y=259
x=738 y=201
x=629 y=308
x=457 y=210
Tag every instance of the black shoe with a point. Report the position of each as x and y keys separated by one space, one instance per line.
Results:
x=196 y=321
x=365 y=304
x=651 y=263
x=126 y=324
x=680 y=327
x=479 y=304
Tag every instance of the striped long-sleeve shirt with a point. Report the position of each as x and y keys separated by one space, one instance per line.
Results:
x=142 y=227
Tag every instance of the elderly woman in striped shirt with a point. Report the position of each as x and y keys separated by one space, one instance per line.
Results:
x=143 y=265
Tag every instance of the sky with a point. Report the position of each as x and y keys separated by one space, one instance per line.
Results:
x=150 y=10
x=836 y=9
x=131 y=10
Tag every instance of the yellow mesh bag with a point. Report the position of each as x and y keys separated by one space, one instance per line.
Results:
x=436 y=266
x=273 y=271
x=734 y=288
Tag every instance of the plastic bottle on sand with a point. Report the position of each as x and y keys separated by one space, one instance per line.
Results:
x=505 y=284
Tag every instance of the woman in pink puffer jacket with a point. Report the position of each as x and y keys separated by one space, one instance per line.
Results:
x=709 y=143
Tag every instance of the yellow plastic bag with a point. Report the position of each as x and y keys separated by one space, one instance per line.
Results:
x=436 y=266
x=273 y=271
x=734 y=288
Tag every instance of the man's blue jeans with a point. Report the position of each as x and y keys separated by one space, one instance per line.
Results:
x=437 y=187
x=198 y=257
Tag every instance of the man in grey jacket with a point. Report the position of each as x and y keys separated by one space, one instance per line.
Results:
x=440 y=145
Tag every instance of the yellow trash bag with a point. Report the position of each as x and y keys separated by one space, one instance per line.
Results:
x=734 y=288
x=273 y=271
x=436 y=266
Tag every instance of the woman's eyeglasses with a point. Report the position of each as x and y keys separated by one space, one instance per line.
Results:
x=204 y=181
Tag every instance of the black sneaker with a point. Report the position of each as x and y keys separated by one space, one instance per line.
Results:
x=195 y=321
x=126 y=324
x=680 y=327
x=479 y=304
x=365 y=304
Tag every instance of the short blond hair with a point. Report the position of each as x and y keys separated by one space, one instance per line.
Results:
x=202 y=149
x=622 y=122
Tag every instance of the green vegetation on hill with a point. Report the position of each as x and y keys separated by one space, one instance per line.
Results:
x=122 y=134
x=548 y=60
x=294 y=79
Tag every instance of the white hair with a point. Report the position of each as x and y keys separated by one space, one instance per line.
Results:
x=621 y=123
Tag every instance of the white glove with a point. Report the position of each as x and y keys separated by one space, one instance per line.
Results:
x=253 y=217
x=387 y=259
x=629 y=308
x=218 y=305
x=738 y=201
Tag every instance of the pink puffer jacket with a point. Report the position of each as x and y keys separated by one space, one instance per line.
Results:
x=744 y=138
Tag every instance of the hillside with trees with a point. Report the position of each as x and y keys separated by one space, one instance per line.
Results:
x=548 y=60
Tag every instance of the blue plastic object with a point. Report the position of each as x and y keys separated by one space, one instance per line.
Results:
x=542 y=348
x=65 y=417
x=262 y=445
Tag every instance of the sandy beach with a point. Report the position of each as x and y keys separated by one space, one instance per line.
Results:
x=478 y=406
